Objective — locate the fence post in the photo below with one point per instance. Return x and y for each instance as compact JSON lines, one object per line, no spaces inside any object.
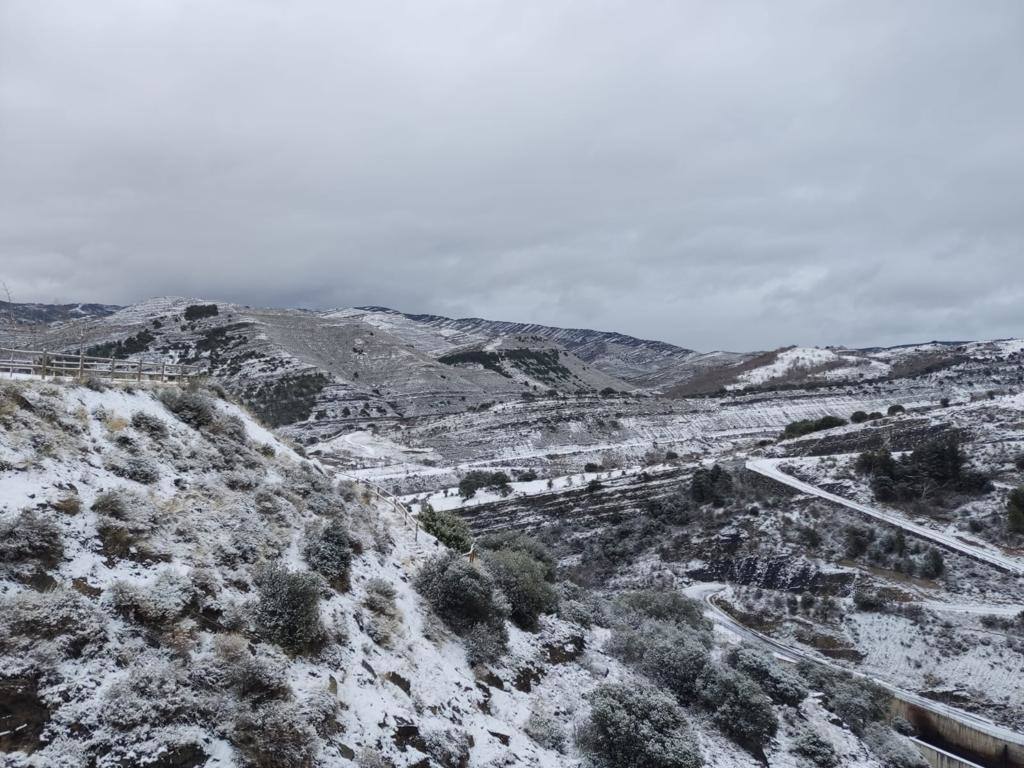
{"x":112,"y":368}
{"x":138,"y":377}
{"x":81,"y":365}
{"x":163,"y":371}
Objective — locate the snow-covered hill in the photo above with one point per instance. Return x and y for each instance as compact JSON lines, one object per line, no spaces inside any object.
{"x":158,"y":608}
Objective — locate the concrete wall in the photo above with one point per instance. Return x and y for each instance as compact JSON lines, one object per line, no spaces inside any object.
{"x":983,"y":749}
{"x":938,"y":758}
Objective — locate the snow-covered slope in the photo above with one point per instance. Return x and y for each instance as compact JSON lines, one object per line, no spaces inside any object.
{"x":138,"y":531}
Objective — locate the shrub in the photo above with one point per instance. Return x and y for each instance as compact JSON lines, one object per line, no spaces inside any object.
{"x":932,"y":565}
{"x":545,"y":729}
{"x":523,"y":580}
{"x":463,"y":595}
{"x":664,"y":605}
{"x":68,"y":505}
{"x":517,"y":541}
{"x":676,"y":661}
{"x":448,"y":747}
{"x":276,"y":736}
{"x":447,"y":527}
{"x":815,"y":748}
{"x":857,"y":702}
{"x":741,"y":709}
{"x":485,"y":643}
{"x":152,"y":425}
{"x":329,"y":552}
{"x":193,"y":408}
{"x":895,"y":410}
{"x":61,"y":617}
{"x":477,"y":479}
{"x":807,"y":426}
{"x":781,"y":685}
{"x":198,"y":311}
{"x":1019,"y":462}
{"x":156,"y":604}
{"x":710,"y":486}
{"x":139,"y":470}
{"x":1015,"y":510}
{"x":893,"y":750}
{"x":30,"y":536}
{"x":257,"y":673}
{"x":858,"y":417}
{"x":634,"y":725}
{"x":288,"y":609}
{"x":385,"y":618}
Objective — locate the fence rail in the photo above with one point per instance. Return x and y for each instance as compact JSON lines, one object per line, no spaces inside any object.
{"x":61,"y":365}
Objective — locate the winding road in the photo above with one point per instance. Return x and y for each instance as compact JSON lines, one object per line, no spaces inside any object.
{"x":706,"y":593}
{"x":770,"y":468}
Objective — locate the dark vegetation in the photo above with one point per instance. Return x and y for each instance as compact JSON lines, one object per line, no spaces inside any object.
{"x":123,"y":348}
{"x":288,"y":609}
{"x":447,"y":527}
{"x":807,"y":426}
{"x":468,"y":600}
{"x":288,"y":399}
{"x":477,"y":479}
{"x":935,"y":468}
{"x":199,"y":311}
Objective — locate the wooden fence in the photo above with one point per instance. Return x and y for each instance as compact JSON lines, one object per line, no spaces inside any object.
{"x":60,"y":365}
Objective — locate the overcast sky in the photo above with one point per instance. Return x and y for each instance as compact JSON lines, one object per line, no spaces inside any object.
{"x":736,"y":175}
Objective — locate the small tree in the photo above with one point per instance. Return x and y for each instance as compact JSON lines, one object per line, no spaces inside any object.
{"x":450,"y":529}
{"x":329,"y":553}
{"x":288,"y":609}
{"x":634,"y":725}
{"x":523,"y":581}
{"x":462,"y":594}
{"x":1015,"y":510}
{"x":741,"y":709}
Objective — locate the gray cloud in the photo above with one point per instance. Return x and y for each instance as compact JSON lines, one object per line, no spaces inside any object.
{"x":720,"y":175}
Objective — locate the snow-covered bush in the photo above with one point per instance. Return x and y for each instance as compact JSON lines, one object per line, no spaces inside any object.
{"x":229,"y":426}
{"x":815,"y":748}
{"x":68,"y":622}
{"x":546,"y":729}
{"x":152,"y":425}
{"x":634,"y":725}
{"x":139,"y":470}
{"x":522,"y":579}
{"x":195,"y":409}
{"x":461,"y":593}
{"x":288,"y":609}
{"x":447,"y":527}
{"x":782,"y":685}
{"x":385,"y":617}
{"x":448,"y":747}
{"x":276,"y":736}
{"x":517,"y":541}
{"x":241,"y":481}
{"x":156,"y":604}
{"x":328,"y":551}
{"x":154,"y":691}
{"x":485,"y":643}
{"x":28,"y":536}
{"x":577,"y":605}
{"x":324,"y":504}
{"x":303,"y":481}
{"x":124,"y":520}
{"x":248,"y":671}
{"x":677,"y":662}
{"x":893,"y":750}
{"x":664,"y":605}
{"x":741,"y":709}
{"x":857,"y":702}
